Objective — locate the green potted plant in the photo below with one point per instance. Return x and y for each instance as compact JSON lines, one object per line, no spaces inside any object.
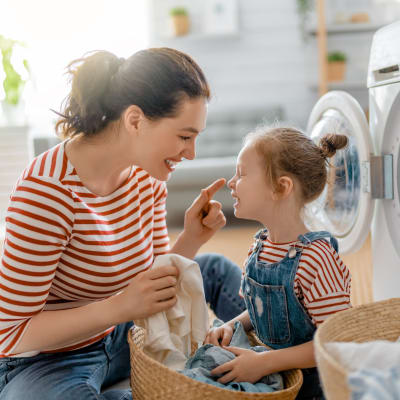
{"x":304,"y":8}
{"x":336,"y":66}
{"x":13,"y":83}
{"x":179,"y":21}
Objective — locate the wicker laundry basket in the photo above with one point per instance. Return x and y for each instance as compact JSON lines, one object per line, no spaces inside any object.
{"x":151,"y":380}
{"x":374,"y":321}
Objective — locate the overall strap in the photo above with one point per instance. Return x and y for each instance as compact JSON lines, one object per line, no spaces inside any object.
{"x":310,"y":237}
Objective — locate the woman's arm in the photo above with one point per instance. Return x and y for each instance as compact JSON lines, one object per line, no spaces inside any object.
{"x":148,"y":293}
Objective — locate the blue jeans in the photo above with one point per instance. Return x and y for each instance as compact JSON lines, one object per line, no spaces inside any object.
{"x":221,"y":280}
{"x":84,"y":374}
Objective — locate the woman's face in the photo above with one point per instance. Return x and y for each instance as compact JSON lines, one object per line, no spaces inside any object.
{"x":167,"y":141}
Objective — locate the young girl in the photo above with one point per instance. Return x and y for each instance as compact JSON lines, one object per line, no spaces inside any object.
{"x":294,"y":278}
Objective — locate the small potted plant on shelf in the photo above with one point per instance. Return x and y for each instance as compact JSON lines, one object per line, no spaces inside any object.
{"x":336,"y":66}
{"x":179,"y":21}
{"x":14,"y":82}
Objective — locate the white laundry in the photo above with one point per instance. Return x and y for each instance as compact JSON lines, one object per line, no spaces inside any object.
{"x":378,"y":354}
{"x":169,"y":334}
{"x":374,"y":368}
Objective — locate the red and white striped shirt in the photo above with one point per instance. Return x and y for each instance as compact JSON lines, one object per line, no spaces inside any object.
{"x":322,"y":282}
{"x":66,"y":247}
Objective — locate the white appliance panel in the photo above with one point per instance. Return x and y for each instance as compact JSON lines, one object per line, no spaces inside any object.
{"x":385,"y":131}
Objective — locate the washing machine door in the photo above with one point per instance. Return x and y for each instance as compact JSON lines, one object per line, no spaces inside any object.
{"x":345,"y":207}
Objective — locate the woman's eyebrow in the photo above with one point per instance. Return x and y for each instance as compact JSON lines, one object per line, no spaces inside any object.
{"x":190,"y":129}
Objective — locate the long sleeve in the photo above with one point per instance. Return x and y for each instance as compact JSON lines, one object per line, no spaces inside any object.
{"x":39,"y":220}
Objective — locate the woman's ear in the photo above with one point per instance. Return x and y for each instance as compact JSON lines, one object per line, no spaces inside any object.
{"x":285,"y":187}
{"x":132,"y":117}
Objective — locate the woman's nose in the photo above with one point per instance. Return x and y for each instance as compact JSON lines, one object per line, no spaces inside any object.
{"x":190,"y":151}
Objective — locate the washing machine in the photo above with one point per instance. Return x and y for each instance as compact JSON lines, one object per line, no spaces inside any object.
{"x":363,"y":189}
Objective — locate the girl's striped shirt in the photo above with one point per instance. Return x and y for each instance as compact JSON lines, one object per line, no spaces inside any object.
{"x":322,"y":282}
{"x":66,"y":247}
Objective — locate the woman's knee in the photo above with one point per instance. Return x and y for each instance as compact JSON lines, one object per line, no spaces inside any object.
{"x":214,"y":266}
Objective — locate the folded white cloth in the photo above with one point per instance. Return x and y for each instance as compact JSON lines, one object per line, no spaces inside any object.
{"x":169,"y":334}
{"x":374,"y":368}
{"x":380,"y":354}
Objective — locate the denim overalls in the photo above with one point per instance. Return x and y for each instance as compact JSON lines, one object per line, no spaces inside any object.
{"x":277,"y":315}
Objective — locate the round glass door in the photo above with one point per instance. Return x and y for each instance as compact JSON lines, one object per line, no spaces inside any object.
{"x":345,"y":207}
{"x":337,"y":207}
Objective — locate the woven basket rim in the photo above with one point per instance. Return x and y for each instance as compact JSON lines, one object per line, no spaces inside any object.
{"x":320,"y":344}
{"x":295,"y":387}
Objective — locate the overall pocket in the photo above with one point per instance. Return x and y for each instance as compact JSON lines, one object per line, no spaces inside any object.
{"x":269,"y":312}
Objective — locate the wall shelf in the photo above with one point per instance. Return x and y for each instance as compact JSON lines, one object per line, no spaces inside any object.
{"x":342,"y":85}
{"x":347,"y":28}
{"x":201,"y":37}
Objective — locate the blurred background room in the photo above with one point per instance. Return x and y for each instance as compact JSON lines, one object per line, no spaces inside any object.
{"x":266,"y":61}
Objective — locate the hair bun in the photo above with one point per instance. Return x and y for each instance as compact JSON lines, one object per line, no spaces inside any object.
{"x":332,"y":142}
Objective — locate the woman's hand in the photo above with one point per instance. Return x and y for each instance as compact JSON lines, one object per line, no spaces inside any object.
{"x":220,"y":336}
{"x":204,"y":217}
{"x":148,"y":293}
{"x":248,"y":366}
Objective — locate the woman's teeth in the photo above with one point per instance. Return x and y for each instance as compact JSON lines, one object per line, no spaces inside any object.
{"x":171,"y":164}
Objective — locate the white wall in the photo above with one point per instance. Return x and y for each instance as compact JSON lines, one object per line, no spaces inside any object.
{"x":268,"y":61}
{"x":265,"y":64}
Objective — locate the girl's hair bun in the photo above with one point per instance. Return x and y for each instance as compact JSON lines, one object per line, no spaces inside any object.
{"x":332,"y":142}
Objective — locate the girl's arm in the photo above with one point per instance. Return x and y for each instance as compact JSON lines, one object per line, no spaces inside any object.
{"x":300,"y":356}
{"x":244,"y":318}
{"x":249,"y":366}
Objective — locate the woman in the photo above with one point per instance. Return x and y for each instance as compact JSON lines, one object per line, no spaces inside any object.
{"x":87,"y":218}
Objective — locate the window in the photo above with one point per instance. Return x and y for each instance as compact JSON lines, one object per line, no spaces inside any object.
{"x":56,"y":32}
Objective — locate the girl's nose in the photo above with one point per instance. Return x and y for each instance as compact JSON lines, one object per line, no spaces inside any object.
{"x":230,"y":183}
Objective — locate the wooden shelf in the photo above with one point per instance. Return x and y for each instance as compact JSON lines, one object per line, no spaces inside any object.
{"x":342,"y":85}
{"x":347,"y":28}
{"x":201,"y":36}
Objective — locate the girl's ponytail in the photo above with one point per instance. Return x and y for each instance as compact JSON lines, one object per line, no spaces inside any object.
{"x":332,"y":142}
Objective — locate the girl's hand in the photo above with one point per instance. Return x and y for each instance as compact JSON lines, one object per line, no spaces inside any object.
{"x":204,"y":217}
{"x":248,"y":366}
{"x":220,"y":336}
{"x":148,"y":293}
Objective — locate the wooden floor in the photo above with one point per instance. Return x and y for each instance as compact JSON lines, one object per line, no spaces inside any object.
{"x":235,"y":242}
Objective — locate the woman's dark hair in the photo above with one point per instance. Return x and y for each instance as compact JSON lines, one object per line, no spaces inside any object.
{"x":103,"y":86}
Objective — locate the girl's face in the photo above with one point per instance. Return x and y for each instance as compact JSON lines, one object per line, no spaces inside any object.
{"x":254,"y":198}
{"x":165,"y":142}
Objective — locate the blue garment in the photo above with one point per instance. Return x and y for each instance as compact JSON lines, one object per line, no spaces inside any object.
{"x":81,"y":374}
{"x":221,"y":279}
{"x":277,"y":315}
{"x":72,"y":375}
{"x":208,"y":357}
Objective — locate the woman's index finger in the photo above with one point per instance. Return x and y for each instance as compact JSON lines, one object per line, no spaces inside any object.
{"x":214,"y":187}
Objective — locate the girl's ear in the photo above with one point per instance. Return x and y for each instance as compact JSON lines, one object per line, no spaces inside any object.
{"x":285,"y":187}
